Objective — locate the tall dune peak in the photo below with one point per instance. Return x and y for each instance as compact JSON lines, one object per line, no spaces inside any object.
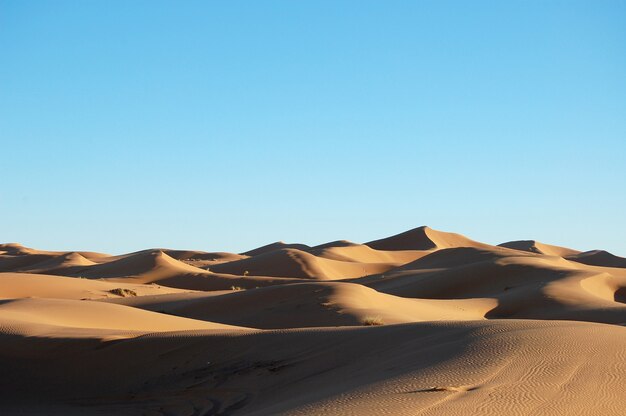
{"x":422,"y":238}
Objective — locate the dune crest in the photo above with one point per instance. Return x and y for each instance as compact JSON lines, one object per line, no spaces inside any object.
{"x":533,"y":246}
{"x":422,"y":238}
{"x":599,"y":258}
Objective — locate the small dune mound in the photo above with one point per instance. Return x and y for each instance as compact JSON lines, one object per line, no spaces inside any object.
{"x":599,"y":258}
{"x":279,"y":245}
{"x":338,"y":243}
{"x":533,"y":246}
{"x":62,"y":261}
{"x":76,"y":259}
{"x":423,"y":238}
{"x":15,"y":249}
{"x":154,"y":263}
{"x":95,"y":257}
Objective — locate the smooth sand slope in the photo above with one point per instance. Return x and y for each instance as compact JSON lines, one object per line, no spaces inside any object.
{"x":311,"y":305}
{"x":24,"y":285}
{"x":492,"y":368}
{"x":421,"y":323}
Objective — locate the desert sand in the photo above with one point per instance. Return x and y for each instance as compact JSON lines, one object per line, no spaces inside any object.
{"x":420,"y":323}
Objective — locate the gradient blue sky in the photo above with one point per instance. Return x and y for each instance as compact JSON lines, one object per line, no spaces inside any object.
{"x":227,"y":125}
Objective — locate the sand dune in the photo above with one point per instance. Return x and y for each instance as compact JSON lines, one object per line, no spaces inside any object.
{"x":421,"y":323}
{"x":361,"y":253}
{"x":17,"y":258}
{"x":202,"y":259}
{"x":593,"y":257}
{"x":273,"y":247}
{"x":156,"y":263}
{"x":20,"y":316}
{"x":290,"y":262}
{"x":422,"y":238}
{"x":599,"y":258}
{"x":63,"y":263}
{"x":15,"y":249}
{"x":311,"y":305}
{"x":525,"y":286}
{"x":540,"y":248}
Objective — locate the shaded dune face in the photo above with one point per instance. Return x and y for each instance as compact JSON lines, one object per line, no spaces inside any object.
{"x":422,"y":322}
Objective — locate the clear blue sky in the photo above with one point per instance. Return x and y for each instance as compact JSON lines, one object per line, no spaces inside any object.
{"x":226,"y":125}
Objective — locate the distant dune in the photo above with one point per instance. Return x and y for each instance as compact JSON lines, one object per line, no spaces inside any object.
{"x":420,"y":323}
